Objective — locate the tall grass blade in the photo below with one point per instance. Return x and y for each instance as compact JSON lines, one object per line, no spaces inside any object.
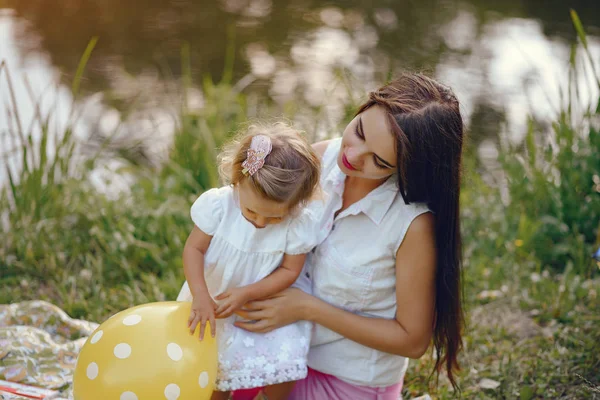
{"x":583,"y":38}
{"x":13,"y":186}
{"x":13,"y":100}
{"x":229,"y":56}
{"x":186,"y":74}
{"x":82,"y":64}
{"x":579,"y":28}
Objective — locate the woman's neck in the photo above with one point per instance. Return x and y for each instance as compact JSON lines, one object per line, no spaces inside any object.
{"x":362,"y":185}
{"x":355,"y":189}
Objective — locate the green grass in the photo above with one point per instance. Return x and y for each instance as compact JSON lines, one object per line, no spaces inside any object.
{"x":533,"y":331}
{"x":531,"y":285}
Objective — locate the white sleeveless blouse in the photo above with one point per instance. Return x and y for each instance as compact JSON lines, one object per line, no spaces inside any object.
{"x":354,"y":268}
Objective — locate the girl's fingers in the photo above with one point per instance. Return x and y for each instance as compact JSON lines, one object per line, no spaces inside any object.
{"x":223,"y":311}
{"x":222,"y":296}
{"x":202,"y":327}
{"x":255,"y":305}
{"x":222,"y":307}
{"x":213,"y":327}
{"x":229,"y":311}
{"x":193,"y":325}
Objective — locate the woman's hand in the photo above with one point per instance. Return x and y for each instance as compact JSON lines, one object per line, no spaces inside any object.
{"x":279,"y":310}
{"x":203,"y":310}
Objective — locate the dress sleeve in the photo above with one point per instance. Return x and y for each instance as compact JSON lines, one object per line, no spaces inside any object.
{"x":207,"y":210}
{"x":302,"y":235}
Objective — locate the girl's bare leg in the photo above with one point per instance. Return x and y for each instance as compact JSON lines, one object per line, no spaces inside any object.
{"x":279,"y":391}
{"x":220,"y":395}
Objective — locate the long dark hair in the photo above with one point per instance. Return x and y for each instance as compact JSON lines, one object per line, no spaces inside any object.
{"x":425,"y":118}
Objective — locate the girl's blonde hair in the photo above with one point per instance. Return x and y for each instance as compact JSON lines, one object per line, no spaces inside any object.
{"x":291,"y":171}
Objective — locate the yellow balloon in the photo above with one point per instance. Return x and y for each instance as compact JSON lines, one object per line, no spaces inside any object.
{"x":147,"y":353}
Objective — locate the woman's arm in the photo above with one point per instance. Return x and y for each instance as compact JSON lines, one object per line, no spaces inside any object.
{"x":409,"y":334}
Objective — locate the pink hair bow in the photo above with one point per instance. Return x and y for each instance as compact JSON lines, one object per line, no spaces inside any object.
{"x":259,"y":150}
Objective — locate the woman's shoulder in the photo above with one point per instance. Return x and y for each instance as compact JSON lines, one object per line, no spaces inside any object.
{"x":327,"y":151}
{"x":410,"y":211}
{"x":325,"y":147}
{"x":321,"y":147}
{"x":414,"y":217}
{"x":423,"y":223}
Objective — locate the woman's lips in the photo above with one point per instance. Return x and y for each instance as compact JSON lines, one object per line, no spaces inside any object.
{"x":347,"y":163}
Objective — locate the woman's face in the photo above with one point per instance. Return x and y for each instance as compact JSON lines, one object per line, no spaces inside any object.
{"x":368,"y":146}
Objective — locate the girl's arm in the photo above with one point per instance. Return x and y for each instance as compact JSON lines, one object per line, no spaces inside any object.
{"x":409,"y":334}
{"x":203,"y":306}
{"x":282,"y":278}
{"x":195,"y":247}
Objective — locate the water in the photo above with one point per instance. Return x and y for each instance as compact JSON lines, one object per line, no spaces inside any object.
{"x":505,"y":59}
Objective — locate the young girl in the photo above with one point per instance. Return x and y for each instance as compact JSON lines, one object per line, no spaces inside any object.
{"x":250,"y":242}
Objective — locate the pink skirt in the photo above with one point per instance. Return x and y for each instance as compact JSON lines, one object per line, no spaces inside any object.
{"x":319,"y":386}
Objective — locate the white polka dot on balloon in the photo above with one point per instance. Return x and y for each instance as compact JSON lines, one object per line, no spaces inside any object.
{"x":203,"y":380}
{"x":92,"y":371}
{"x":172,"y":392}
{"x":128,"y":396}
{"x":97,"y":336}
{"x":122,"y":350}
{"x":132,"y":320}
{"x":174,"y":351}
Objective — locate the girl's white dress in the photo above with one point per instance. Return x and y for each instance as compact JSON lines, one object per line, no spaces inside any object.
{"x":240,"y":254}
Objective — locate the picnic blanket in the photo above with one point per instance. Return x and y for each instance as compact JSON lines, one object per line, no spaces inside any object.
{"x":39,"y":344}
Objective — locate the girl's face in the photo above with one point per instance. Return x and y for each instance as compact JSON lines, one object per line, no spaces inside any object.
{"x":368,"y":146}
{"x":258,"y":211}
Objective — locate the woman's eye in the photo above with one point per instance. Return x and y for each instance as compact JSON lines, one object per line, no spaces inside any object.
{"x":380,"y":166}
{"x":357,"y":132}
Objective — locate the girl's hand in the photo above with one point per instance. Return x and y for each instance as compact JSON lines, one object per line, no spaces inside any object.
{"x":203,"y":309}
{"x":289,"y":306}
{"x":231,"y":301}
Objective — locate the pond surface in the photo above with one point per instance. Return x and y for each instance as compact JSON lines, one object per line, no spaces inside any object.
{"x":505,"y":59}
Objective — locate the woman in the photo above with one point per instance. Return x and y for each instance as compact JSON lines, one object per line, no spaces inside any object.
{"x":386,"y":279}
